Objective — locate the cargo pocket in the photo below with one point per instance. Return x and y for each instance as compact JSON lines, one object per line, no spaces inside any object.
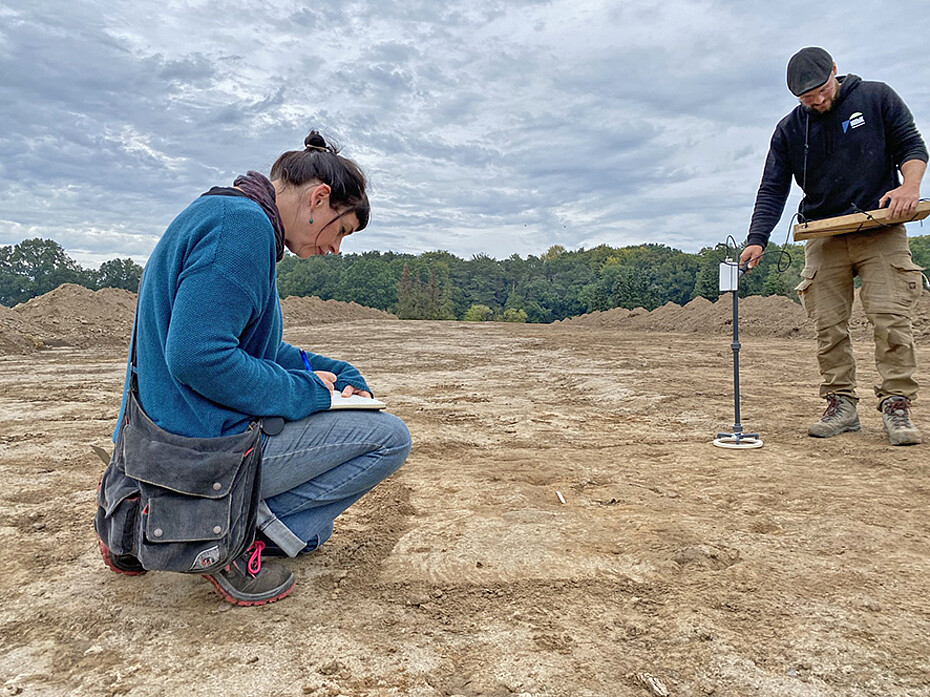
{"x":807,"y":277}
{"x":907,"y":284}
{"x":896,"y":290}
{"x":117,"y":509}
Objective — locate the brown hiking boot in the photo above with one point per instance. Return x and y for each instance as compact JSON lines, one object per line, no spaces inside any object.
{"x":840,"y":416}
{"x":246,"y":582}
{"x":896,"y":418}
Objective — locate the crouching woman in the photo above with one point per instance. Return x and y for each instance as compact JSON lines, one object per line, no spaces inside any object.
{"x":209,"y":362}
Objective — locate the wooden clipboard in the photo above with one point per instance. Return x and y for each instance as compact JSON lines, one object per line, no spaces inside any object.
{"x":854,"y":222}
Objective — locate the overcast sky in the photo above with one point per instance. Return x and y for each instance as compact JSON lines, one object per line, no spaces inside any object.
{"x":486,"y":127}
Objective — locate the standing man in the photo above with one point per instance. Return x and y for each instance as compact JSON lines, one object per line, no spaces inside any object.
{"x":844,"y":144}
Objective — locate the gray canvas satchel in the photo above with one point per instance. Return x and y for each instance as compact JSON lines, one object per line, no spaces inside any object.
{"x":177,"y":503}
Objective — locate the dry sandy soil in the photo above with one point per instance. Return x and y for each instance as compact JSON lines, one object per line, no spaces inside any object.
{"x":801,"y":568}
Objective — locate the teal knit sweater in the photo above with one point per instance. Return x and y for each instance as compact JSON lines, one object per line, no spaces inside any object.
{"x":208,"y":328}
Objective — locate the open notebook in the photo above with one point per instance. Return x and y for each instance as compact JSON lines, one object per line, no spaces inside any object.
{"x":355,"y":402}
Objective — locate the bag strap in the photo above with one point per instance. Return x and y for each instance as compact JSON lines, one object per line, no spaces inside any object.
{"x":133,"y":378}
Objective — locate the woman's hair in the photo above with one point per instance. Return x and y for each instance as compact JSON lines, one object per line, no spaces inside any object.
{"x":321,"y":161}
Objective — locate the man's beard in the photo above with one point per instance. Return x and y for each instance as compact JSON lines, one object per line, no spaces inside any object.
{"x":821,"y":112}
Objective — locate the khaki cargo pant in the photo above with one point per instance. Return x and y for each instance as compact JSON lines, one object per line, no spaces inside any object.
{"x":891,"y":284}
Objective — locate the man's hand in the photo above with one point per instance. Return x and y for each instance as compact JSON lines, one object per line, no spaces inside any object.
{"x":901,"y":202}
{"x":750,"y":256}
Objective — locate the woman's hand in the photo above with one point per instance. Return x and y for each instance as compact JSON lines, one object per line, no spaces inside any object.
{"x":348,"y":391}
{"x":329,"y":379}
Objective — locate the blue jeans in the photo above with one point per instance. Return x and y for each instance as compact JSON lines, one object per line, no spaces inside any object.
{"x":319,"y":466}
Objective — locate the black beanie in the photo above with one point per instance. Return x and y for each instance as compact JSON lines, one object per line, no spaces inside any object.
{"x":808,"y":69}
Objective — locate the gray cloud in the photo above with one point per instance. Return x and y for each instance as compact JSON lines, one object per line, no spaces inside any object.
{"x":486,"y":127}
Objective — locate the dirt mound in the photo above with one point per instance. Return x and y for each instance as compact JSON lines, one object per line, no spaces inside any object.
{"x":72,"y":315}
{"x":758,"y":316}
{"x":774,"y":315}
{"x":17,"y":336}
{"x":304,"y":311}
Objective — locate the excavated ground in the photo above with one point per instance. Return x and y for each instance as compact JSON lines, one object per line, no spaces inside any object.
{"x":799,"y":569}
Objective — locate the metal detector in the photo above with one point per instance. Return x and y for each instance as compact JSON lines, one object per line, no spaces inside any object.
{"x":730,"y":272}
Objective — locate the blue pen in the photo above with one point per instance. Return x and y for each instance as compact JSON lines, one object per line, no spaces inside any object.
{"x":303,"y":356}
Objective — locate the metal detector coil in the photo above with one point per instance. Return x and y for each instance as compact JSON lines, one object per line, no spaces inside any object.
{"x":730,"y":272}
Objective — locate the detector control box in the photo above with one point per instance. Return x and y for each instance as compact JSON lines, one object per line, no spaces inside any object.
{"x":729,"y":276}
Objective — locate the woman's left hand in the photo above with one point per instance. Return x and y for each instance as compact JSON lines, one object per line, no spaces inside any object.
{"x":348,"y":391}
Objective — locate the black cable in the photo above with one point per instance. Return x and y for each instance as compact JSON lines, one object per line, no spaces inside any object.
{"x":726,"y":248}
{"x":869,"y":216}
{"x":784,"y":256}
{"x":784,"y":259}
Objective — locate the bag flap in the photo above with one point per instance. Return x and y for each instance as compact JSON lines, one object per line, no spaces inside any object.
{"x":181,"y":519}
{"x":186,"y":470}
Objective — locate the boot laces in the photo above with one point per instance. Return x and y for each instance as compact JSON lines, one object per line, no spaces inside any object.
{"x":833,"y":407}
{"x":254,"y":565}
{"x":896,"y":410}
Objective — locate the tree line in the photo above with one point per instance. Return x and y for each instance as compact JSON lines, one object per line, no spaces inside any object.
{"x":34,"y":267}
{"x":438,"y":285}
{"x":557,"y":284}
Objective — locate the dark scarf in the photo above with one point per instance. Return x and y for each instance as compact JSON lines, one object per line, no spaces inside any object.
{"x":259,"y":188}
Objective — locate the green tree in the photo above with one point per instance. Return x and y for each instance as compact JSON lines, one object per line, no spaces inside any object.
{"x":406,"y":298}
{"x":34,"y":267}
{"x":478,"y":313}
{"x":484,"y":282}
{"x":318,"y":275}
{"x":920,"y":250}
{"x":433,"y":300}
{"x":12,"y":284}
{"x":707,"y":278}
{"x":367,"y":281}
{"x":512,"y":315}
{"x":647,"y":275}
{"x":119,"y":273}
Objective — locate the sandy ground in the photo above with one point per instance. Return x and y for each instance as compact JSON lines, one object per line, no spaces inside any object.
{"x":802,"y":568}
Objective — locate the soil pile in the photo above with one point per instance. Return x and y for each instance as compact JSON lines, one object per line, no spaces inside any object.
{"x":772,"y":316}
{"x":17,"y":336}
{"x":775,"y":316}
{"x":72,"y":315}
{"x":306,"y":311}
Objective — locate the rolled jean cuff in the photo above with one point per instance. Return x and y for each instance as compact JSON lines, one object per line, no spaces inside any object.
{"x":278,"y":532}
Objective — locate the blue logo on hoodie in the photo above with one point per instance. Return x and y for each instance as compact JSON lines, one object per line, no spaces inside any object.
{"x":854,"y":121}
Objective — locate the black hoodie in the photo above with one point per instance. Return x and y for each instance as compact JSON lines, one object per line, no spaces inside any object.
{"x":853,"y":159}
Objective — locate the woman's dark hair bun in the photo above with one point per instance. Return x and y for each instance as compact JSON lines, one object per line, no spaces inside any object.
{"x":320,"y":162}
{"x":315,"y":141}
